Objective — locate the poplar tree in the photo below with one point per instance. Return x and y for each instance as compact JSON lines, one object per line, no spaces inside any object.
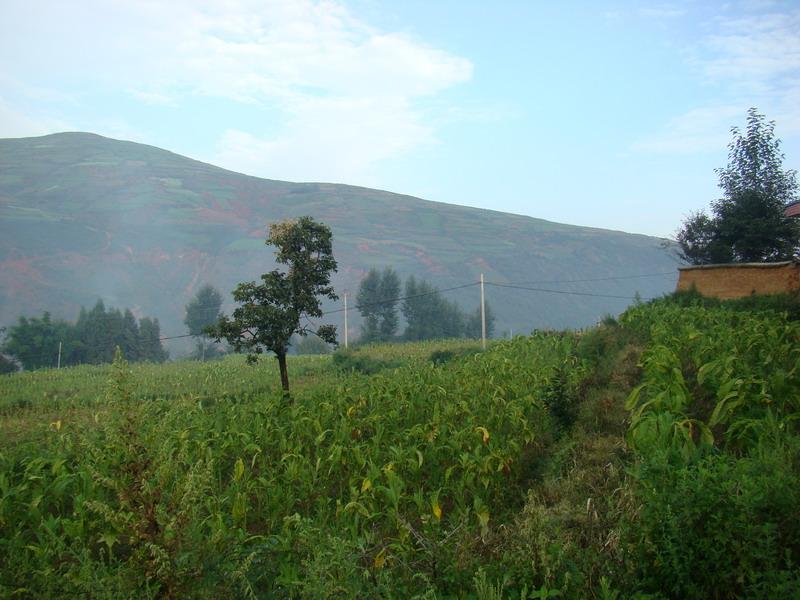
{"x":748,"y":222}
{"x":377,"y":300}
{"x":203,"y":311}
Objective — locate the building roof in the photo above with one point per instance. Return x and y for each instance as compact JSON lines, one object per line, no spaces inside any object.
{"x":792,"y":210}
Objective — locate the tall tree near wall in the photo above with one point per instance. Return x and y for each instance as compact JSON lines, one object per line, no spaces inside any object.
{"x":747,"y":223}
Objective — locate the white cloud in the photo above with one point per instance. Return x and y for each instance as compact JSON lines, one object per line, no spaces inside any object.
{"x":664,"y":11}
{"x":311,"y":66}
{"x":749,"y":60}
{"x":334,"y":140}
{"x":155,"y":98}
{"x":755,"y":50}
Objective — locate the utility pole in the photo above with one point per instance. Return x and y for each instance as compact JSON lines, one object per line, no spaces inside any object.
{"x":483,"y":318}
{"x":345,"y":320}
{"x":59,"y":356}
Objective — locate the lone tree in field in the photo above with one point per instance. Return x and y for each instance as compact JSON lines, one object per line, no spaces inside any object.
{"x":748,"y":223}
{"x":272,"y":311}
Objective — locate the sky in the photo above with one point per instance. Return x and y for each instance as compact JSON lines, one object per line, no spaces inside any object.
{"x":603,"y":114}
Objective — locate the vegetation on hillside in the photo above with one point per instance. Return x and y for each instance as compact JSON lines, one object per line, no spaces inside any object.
{"x":656,"y":456}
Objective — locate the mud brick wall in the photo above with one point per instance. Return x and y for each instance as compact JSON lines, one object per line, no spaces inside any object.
{"x":735,"y":281}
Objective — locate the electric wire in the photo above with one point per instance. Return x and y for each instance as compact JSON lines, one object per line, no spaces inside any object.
{"x":509,"y":285}
{"x":519,"y":287}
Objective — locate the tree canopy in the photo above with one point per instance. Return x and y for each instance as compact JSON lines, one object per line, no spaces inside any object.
{"x":92,"y":339}
{"x":428,"y":315}
{"x":280,"y":306}
{"x":748,"y":222}
{"x":377,"y":302}
{"x":203,"y":311}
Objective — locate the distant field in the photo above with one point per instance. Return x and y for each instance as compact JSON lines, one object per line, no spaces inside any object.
{"x":656,"y":457}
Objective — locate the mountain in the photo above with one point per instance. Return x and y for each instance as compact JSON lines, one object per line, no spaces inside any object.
{"x":84,"y":217}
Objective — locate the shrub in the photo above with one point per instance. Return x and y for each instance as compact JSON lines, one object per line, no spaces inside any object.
{"x":361,"y":363}
{"x":720,"y":528}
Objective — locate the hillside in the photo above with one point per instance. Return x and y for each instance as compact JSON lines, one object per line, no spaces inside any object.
{"x":84,"y":217}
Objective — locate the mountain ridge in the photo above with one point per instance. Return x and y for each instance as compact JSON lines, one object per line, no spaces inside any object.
{"x":85,"y":216}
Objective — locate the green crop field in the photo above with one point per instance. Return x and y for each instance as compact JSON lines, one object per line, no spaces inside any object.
{"x":653,"y":457}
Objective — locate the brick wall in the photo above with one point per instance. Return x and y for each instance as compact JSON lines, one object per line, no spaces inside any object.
{"x":735,"y":281}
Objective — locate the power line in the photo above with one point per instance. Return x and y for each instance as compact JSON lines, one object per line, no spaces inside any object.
{"x":593,"y":279}
{"x":519,"y":287}
{"x":511,"y":285}
{"x":175,"y":337}
{"x":466,"y":285}
{"x":391,"y":300}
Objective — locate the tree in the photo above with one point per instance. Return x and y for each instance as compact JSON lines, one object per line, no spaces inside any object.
{"x":419,"y":298}
{"x":272,"y":311}
{"x":150,"y":348}
{"x":130,"y":336}
{"x":389,"y":292}
{"x":97,"y":347}
{"x":367,"y":301}
{"x":34,"y":341}
{"x":748,"y":224}
{"x":7,"y":365}
{"x":377,"y":302}
{"x":473,"y":325}
{"x":203,"y":311}
{"x":310,"y":344}
{"x":428,"y":315}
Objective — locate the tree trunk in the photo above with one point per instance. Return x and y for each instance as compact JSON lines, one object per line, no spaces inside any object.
{"x":284,"y":371}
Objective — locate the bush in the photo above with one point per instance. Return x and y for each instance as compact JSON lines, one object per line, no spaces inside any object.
{"x":781,"y":303}
{"x":7,"y":365}
{"x":440,"y":357}
{"x":721,"y":528}
{"x":349,"y":361}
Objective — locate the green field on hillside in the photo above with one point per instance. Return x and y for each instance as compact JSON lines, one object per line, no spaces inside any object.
{"x":652,"y":457}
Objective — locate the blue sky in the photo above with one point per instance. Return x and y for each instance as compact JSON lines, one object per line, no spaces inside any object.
{"x":606,"y":114}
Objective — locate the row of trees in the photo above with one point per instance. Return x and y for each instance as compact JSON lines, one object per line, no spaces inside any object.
{"x":427,"y":314}
{"x":34,"y":342}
